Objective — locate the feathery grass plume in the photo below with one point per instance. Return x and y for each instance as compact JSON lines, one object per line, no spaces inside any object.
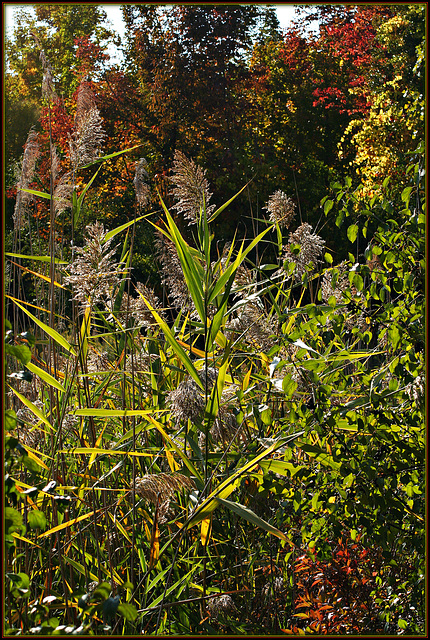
{"x":310,"y":247}
{"x":244,"y":283}
{"x":335,"y":284}
{"x":273,"y":590}
{"x":139,"y":310}
{"x":88,"y":137}
{"x":141,"y":187}
{"x":48,"y":91}
{"x":281,"y":209}
{"x":221,"y":605}
{"x":97,"y":361}
{"x":191,"y":188}
{"x":140,"y":361}
{"x":162,"y":486}
{"x":94,"y":273}
{"x":172,"y":275}
{"x":186,"y":402}
{"x":31,"y":153}
{"x":225,"y":426}
{"x":253,"y":326}
{"x":416,"y":390}
{"x":62,"y":185}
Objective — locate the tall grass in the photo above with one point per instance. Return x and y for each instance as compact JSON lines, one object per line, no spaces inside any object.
{"x":168,"y":465}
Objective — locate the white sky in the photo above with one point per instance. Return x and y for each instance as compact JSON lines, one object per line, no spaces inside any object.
{"x":285,"y":13}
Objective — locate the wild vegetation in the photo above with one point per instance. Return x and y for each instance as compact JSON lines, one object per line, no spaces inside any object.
{"x":214,"y":324}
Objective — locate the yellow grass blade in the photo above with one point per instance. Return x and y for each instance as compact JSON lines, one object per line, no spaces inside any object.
{"x":69,"y":523}
{"x":206,"y":530}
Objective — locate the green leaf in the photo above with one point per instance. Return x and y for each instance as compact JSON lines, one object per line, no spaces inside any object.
{"x":406,"y":194}
{"x":10,"y":420}
{"x":114,"y":232}
{"x":37,"y":519}
{"x":229,"y":485}
{"x":102,"y":591}
{"x":12,"y":519}
{"x":226,"y":204}
{"x":127,"y":611}
{"x":328,"y":206}
{"x":41,"y":194}
{"x":191,"y":263}
{"x":228,"y":275}
{"x":250,"y":516}
{"x":110,"y":156}
{"x":281,"y":467}
{"x":30,"y":463}
{"x":58,"y":338}
{"x":37,"y":412}
{"x":19,"y":351}
{"x":183,"y":357}
{"x":46,"y":377}
{"x":78,"y":202}
{"x":40,"y":258}
{"x":352,"y":232}
{"x":192,"y":469}
{"x":320,"y":455}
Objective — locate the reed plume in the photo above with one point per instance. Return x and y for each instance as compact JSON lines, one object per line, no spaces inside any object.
{"x":191,"y":188}
{"x":88,"y":137}
{"x":94,"y":273}
{"x":31,"y":153}
{"x":141,"y":187}
{"x":304,"y":249}
{"x":281,"y":209}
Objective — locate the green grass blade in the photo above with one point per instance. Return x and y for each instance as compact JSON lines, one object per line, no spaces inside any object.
{"x":191,"y":468}
{"x":111,"y":413}
{"x":41,"y":258}
{"x":79,"y":201}
{"x":114,"y":232}
{"x":226,"y":204}
{"x":46,"y":377}
{"x":250,"y":516}
{"x":37,"y":412}
{"x":226,"y":487}
{"x":110,"y":156}
{"x":41,"y":194}
{"x":191,"y":263}
{"x":59,"y":339}
{"x":178,"y":350}
{"x":226,"y":280}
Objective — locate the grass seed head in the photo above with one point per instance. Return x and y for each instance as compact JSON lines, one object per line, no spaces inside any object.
{"x":191,"y":188}
{"x":281,"y":209}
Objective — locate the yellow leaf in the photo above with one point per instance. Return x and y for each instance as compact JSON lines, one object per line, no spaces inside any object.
{"x":246,"y":379}
{"x":155,"y":543}
{"x":18,"y":537}
{"x":206,"y":529}
{"x":69,"y":523}
{"x":39,"y":275}
{"x":171,"y":460}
